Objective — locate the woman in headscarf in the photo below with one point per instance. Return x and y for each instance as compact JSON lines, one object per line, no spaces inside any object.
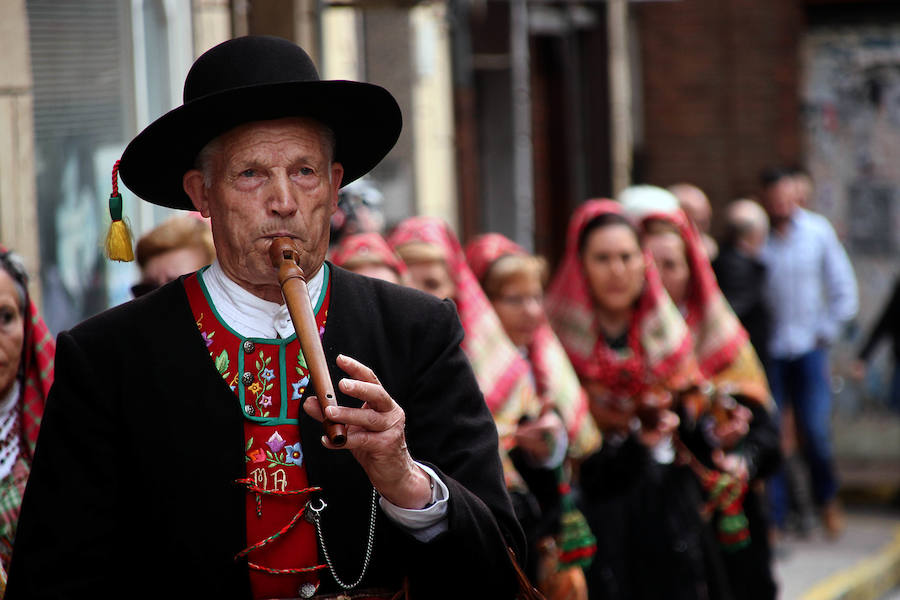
{"x":26,"y":373}
{"x":632,"y":350}
{"x":513,"y":281}
{"x":368,"y":254}
{"x":740,"y":437}
{"x":436,"y":265}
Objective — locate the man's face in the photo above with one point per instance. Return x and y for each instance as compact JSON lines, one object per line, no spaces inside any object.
{"x":780,"y":199}
{"x":696,"y":206}
{"x":163,"y":268}
{"x":269,"y":179}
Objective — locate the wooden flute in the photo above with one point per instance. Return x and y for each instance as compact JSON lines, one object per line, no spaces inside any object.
{"x":285,"y":257}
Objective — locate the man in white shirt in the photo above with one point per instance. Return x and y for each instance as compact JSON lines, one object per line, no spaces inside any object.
{"x":811,"y":291}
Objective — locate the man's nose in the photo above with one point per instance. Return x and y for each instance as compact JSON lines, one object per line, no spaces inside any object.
{"x":281,"y":195}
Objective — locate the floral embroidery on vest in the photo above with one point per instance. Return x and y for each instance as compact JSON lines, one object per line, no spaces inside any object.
{"x":268,"y":378}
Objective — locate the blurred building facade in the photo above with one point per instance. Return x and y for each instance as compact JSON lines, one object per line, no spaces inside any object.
{"x":507,"y":104}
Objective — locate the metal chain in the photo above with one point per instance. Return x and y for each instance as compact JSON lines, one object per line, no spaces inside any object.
{"x":370,"y":544}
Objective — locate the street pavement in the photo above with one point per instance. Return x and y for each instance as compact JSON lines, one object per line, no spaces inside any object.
{"x":863,"y":564}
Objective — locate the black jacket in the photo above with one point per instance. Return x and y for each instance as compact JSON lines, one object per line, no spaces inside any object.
{"x":132,"y":489}
{"x":888,"y":324}
{"x":741,"y":279}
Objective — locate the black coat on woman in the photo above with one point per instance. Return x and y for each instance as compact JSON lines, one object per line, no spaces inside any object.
{"x":132,"y":492}
{"x":652,"y":543}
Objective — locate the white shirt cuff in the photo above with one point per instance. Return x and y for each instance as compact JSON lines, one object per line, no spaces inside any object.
{"x":427,"y":523}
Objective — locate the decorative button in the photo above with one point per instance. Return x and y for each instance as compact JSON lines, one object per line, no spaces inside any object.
{"x":249,"y":346}
{"x":249,"y":409}
{"x":307,"y":590}
{"x":247,"y":378}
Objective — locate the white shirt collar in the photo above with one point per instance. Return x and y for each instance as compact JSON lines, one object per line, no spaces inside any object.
{"x":249,"y":315}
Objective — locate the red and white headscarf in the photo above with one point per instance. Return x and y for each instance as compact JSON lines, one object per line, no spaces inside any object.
{"x":502,"y":373}
{"x":659,"y":352}
{"x":721,"y":344}
{"x":555,"y":378}
{"x":499,"y":367}
{"x":35,"y":371}
{"x":369,"y":246}
{"x":37,"y":357}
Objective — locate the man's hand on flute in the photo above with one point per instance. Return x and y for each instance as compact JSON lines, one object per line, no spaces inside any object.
{"x":376,"y":436}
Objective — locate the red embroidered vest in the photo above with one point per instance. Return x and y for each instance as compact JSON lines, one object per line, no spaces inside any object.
{"x":268,"y":377}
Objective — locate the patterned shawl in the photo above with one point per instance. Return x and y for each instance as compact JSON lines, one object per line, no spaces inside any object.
{"x":35,"y":371}
{"x":35,"y":377}
{"x":502,"y":372}
{"x":659,"y":353}
{"x":556,"y":380}
{"x":721,"y":344}
{"x":367,"y":246}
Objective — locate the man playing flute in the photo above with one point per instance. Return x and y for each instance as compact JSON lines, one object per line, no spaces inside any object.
{"x":181,"y":453}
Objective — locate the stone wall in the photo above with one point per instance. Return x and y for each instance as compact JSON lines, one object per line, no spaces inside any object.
{"x":18,"y":203}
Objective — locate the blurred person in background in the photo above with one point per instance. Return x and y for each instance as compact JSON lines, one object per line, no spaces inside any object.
{"x":180,"y":245}
{"x":514,"y":283}
{"x":886,"y":326}
{"x":368,"y":254}
{"x":632,"y":351}
{"x":637,"y":200}
{"x":741,"y":273}
{"x":742,"y":277}
{"x":436,"y":265}
{"x":740,"y":436}
{"x":360,"y":209}
{"x":805,"y":187}
{"x":695,"y":204}
{"x":811,"y":289}
{"x":26,"y":373}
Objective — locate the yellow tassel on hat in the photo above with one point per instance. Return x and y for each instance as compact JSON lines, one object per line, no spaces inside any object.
{"x":118,"y":238}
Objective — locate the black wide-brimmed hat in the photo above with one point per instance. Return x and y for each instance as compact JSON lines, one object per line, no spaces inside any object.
{"x":257,"y":78}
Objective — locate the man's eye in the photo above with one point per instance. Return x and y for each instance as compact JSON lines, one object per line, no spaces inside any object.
{"x":248,"y":173}
{"x":305,"y":171}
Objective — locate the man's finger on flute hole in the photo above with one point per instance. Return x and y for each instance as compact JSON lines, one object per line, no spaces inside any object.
{"x":313,"y":409}
{"x":367,"y":419}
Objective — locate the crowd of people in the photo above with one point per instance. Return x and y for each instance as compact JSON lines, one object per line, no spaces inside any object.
{"x":659,"y":410}
{"x":611,"y":429}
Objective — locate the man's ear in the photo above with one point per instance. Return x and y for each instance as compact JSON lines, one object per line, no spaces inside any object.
{"x":196,"y":191}
{"x":337,"y":176}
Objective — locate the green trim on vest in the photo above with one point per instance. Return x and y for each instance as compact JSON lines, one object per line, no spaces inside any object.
{"x":282,"y":344}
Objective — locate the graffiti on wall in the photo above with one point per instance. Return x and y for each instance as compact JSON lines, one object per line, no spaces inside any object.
{"x":851,"y":99}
